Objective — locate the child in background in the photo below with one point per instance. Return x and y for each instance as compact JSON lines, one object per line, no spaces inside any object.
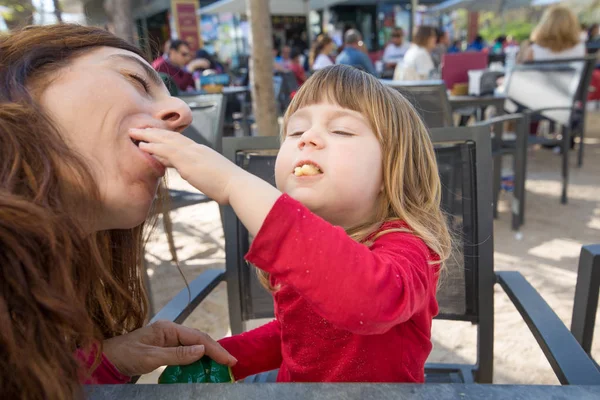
{"x":352,"y":240}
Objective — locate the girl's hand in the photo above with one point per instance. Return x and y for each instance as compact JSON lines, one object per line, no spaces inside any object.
{"x":162,"y":343}
{"x":212,"y":174}
{"x":204,"y":168}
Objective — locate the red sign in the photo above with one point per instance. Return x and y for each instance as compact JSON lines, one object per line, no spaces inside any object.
{"x":187,"y":22}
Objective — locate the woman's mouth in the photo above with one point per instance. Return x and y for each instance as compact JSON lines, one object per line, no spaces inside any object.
{"x":156,"y":165}
{"x":137,"y":142}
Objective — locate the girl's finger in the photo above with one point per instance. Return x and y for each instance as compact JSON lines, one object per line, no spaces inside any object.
{"x":156,"y":149}
{"x":164,"y":161}
{"x":148,"y":134}
{"x":155,"y":135}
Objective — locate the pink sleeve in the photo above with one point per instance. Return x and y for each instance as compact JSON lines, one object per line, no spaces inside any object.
{"x":258,"y":350}
{"x":104,"y":374}
{"x":360,"y":289}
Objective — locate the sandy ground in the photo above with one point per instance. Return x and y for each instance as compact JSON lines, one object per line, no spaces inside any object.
{"x":546,"y":255}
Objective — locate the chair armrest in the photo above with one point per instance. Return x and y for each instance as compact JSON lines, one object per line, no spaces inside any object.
{"x":182,"y":305}
{"x":586,"y":296}
{"x":570,"y":363}
{"x":499,"y":119}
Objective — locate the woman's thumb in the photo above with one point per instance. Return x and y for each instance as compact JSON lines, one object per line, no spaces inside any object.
{"x":181,"y":355}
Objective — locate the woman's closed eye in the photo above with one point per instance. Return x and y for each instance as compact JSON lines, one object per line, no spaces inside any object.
{"x":140,"y":80}
{"x":297,"y":133}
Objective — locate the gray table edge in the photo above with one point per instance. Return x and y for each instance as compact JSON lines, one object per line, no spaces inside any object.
{"x":341,"y":391}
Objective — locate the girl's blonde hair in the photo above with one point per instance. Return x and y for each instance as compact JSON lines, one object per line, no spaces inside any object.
{"x":557,"y":30}
{"x":412,"y":188}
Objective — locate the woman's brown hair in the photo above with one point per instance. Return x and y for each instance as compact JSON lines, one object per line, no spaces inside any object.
{"x":61,"y":288}
{"x":422,"y":35}
{"x":557,"y":30}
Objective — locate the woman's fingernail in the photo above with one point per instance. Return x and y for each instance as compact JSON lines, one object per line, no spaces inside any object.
{"x":198,"y":348}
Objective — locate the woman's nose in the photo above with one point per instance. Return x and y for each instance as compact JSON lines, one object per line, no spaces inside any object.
{"x":176,"y":114}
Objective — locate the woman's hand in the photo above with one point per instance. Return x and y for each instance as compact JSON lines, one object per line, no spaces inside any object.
{"x":204,"y":168}
{"x":162,"y":343}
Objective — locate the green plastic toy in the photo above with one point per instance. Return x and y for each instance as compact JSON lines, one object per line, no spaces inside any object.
{"x":205,"y":370}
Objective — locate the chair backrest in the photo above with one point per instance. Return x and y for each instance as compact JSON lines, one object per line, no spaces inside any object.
{"x":430,"y":98}
{"x":466,"y":289}
{"x":546,"y":84}
{"x":208,"y":113}
{"x":586,"y":81}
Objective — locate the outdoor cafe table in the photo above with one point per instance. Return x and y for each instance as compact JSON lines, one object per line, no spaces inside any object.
{"x":343,"y":391}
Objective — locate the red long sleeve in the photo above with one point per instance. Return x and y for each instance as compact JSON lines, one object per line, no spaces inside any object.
{"x":346,"y":312}
{"x":356,"y":288}
{"x":258,"y":350}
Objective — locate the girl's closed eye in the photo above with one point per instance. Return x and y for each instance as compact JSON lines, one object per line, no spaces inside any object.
{"x":343,"y":133}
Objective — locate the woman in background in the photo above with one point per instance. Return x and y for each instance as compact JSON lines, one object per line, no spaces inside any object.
{"x":418,"y":64}
{"x":320,"y":53}
{"x":557,"y":36}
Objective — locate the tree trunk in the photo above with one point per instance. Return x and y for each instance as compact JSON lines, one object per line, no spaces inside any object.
{"x":120,"y":14}
{"x":58,"y":11}
{"x":261,"y":67}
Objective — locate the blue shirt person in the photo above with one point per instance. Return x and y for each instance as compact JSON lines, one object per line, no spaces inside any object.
{"x":353,"y":55}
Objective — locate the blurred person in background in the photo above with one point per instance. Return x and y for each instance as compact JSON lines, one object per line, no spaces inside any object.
{"x":418,"y":64}
{"x":320,"y":54}
{"x":354,"y":53}
{"x":557,"y":36}
{"x":443,"y":43}
{"x":395,"y":49}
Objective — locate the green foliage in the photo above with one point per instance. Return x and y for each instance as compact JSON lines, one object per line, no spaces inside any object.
{"x":520,"y":30}
{"x":19,"y":11}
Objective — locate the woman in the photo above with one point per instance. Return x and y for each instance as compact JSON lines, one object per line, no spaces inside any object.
{"x":320,"y":54}
{"x":75,"y":193}
{"x":418,"y":64}
{"x":557,"y":36}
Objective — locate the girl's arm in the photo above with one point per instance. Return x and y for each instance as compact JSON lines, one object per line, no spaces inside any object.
{"x":258,"y":350}
{"x":360,"y":289}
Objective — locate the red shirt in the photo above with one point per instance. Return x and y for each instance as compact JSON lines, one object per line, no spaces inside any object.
{"x":344,"y":312}
{"x":298,"y":73}
{"x":183,"y":79}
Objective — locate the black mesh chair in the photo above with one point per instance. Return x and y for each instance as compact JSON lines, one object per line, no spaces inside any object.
{"x":465,"y":165}
{"x":550,"y":90}
{"x":586,"y":297}
{"x":430,"y":99}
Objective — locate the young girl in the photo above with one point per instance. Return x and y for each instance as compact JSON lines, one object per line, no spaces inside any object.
{"x":353,"y":237}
